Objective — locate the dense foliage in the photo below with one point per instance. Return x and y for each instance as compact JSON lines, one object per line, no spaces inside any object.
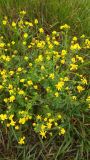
{"x":44,"y":87}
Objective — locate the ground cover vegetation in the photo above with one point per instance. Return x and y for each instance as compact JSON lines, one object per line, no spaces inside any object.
{"x":44,"y":85}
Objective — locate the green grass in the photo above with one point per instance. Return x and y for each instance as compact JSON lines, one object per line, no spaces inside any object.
{"x":52,"y":12}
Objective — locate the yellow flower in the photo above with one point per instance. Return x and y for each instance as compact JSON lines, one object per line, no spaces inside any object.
{"x":84,"y":80}
{"x":49,"y":125}
{"x":82,"y":36}
{"x":48,"y":114}
{"x":65,"y":26}
{"x":19,"y":69}
{"x":88,"y":99}
{"x":8,"y":44}
{"x":89,"y":106}
{"x":80,"y":58}
{"x":5,"y":100}
{"x":30,"y":82}
{"x":59,"y":85}
{"x":74,"y":97}
{"x":8,"y":58}
{"x":24,"y":43}
{"x":45,"y":119}
{"x":12,"y":123}
{"x":48,"y":89}
{"x":22,"y":80}
{"x":51,"y":76}
{"x":40,"y":44}
{"x":87,"y":43}
{"x":11,"y":117}
{"x":42,"y":68}
{"x":10,"y":86}
{"x":30,"y":64}
{"x":62,"y":131}
{"x":12,"y":98}
{"x":35,"y":87}
{"x":41,"y":30}
{"x":80,"y":88}
{"x":16,"y":127}
{"x":38,"y":117}
{"x":57,"y":94}
{"x":12,"y":42}
{"x":63,"y":53}
{"x":22,"y":120}
{"x":26,"y":58}
{"x":56,"y":43}
{"x":2,"y":45}
{"x":54,"y":33}
{"x":56,"y":124}
{"x":73,"y":67}
{"x":48,"y":57}
{"x":39,"y":59}
{"x":67,"y":88}
{"x":43,"y":127}
{"x":21,"y":92}
{"x":11,"y":73}
{"x":29,"y":46}
{"x":74,"y":38}
{"x":66,"y":79}
{"x":30,"y":24}
{"x":25,"y":35}
{"x":59,"y":116}
{"x":4,"y":22}
{"x":43,"y":133}
{"x":26,"y":22}
{"x":75,"y":47}
{"x":22,"y":112}
{"x":22,"y":140}
{"x":51,"y":120}
{"x":47,"y":38}
{"x":3,"y":117}
{"x":8,"y":125}
{"x":13,"y":24}
{"x":23,"y":12}
{"x":36,"y":21}
{"x":3,"y":72}
{"x":62,"y":61}
{"x":11,"y":91}
{"x":1,"y":86}
{"x":73,"y":60}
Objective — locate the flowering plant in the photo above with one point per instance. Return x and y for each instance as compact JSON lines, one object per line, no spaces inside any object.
{"x":41,"y":77}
